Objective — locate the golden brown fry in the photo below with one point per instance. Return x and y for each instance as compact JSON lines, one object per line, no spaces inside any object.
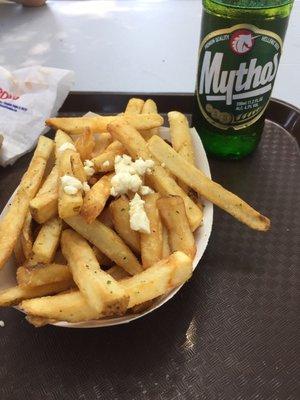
{"x":47,"y":241}
{"x":152,"y":244}
{"x":76,"y":125}
{"x":102,"y":258}
{"x":174,"y":217}
{"x":61,"y":138}
{"x":148,"y":108}
{"x":15,"y":294}
{"x":108,"y":242}
{"x":11,"y":224}
{"x":160,"y":178}
{"x":71,"y":307}
{"x":139,"y":308}
{"x":134,"y":106}
{"x":95,"y":199}
{"x":106,"y":161}
{"x":26,"y":236}
{"x":181,"y":139}
{"x":120,"y":216}
{"x":18,"y":252}
{"x":102,"y":141}
{"x":77,"y":167}
{"x":44,"y":205}
{"x":102,"y":292}
{"x":39,"y":322}
{"x":43,"y":274}
{"x":166,"y":247}
{"x":85,"y":144}
{"x":158,"y":279}
{"x":214,"y":192}
{"x":68,"y":205}
{"x":118,"y":273}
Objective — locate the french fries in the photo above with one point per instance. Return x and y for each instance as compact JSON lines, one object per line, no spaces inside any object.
{"x":47,"y":241}
{"x":108,"y":242}
{"x":152,"y":245}
{"x":212,"y":191}
{"x":16,"y":294}
{"x":77,"y":125}
{"x":95,"y":199}
{"x":77,"y":167}
{"x":134,"y":106}
{"x":151,"y":283}
{"x":43,"y":275}
{"x":102,"y":258}
{"x":68,"y":204}
{"x":85,"y":144}
{"x":18,"y":252}
{"x":120,"y":215}
{"x":102,"y":141}
{"x":148,"y":108}
{"x":118,"y":273}
{"x":158,"y":279}
{"x":173,"y":214}
{"x":163,"y":183}
{"x":106,"y":161}
{"x":181,"y":139}
{"x":101,"y":291}
{"x":26,"y":236}
{"x":12,"y":223}
{"x":44,"y":205}
{"x":166,"y":247}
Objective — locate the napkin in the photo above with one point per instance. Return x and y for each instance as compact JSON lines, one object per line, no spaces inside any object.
{"x":28,"y":96}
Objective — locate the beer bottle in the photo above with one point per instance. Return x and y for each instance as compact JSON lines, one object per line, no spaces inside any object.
{"x":240,"y":48}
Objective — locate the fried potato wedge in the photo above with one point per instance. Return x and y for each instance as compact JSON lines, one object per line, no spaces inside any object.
{"x":174,"y":217}
{"x":47,"y":241}
{"x":102,"y":292}
{"x":95,"y":199}
{"x":134,"y":106}
{"x":148,"y":108}
{"x":85,"y":144}
{"x":45,"y":204}
{"x":42,"y":274}
{"x":102,"y":141}
{"x":181,"y":139}
{"x":212,"y":191}
{"x":119,"y":209}
{"x":16,"y":294}
{"x":105,"y":162}
{"x":158,"y":279}
{"x":152,"y":244}
{"x":26,"y":236}
{"x":166,"y":247}
{"x":77,"y":125}
{"x":108,"y":242}
{"x":118,"y":273}
{"x":11,"y":224}
{"x":102,"y":259}
{"x":160,"y":179}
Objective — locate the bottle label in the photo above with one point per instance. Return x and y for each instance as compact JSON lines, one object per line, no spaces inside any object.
{"x":237,"y":69}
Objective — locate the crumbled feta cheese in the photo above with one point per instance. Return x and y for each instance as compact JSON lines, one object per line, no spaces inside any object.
{"x":144,"y":190}
{"x":105,"y":164}
{"x":2,"y":324}
{"x":89,"y":167}
{"x":70,"y":184}
{"x":129,"y":174}
{"x":66,"y":146}
{"x":138,"y":217}
{"x":86,"y":187}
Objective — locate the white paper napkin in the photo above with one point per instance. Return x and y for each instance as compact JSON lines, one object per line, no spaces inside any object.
{"x":28,"y":96}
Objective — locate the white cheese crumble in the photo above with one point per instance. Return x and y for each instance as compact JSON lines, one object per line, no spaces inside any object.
{"x":129,"y":174}
{"x":89,"y":167}
{"x":138,"y":217}
{"x":105,"y":164}
{"x":144,"y":190}
{"x":2,"y":324}
{"x":70,"y":184}
{"x":66,"y":146}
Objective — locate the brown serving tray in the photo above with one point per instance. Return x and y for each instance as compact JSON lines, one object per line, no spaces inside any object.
{"x":231,"y":333}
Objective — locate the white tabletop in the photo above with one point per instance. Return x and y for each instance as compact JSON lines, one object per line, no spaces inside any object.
{"x":125,"y":46}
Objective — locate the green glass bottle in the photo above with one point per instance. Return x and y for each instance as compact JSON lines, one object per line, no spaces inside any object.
{"x":240,"y":47}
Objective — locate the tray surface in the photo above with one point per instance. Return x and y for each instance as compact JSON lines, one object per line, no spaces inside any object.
{"x":230,"y":333}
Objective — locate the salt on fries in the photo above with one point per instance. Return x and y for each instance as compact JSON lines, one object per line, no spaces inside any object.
{"x":74,"y":263}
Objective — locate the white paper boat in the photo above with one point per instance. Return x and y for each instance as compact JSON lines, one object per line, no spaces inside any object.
{"x":202,"y":234}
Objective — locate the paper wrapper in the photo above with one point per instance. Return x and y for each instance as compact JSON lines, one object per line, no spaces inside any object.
{"x":202,"y":234}
{"x":28,"y":96}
